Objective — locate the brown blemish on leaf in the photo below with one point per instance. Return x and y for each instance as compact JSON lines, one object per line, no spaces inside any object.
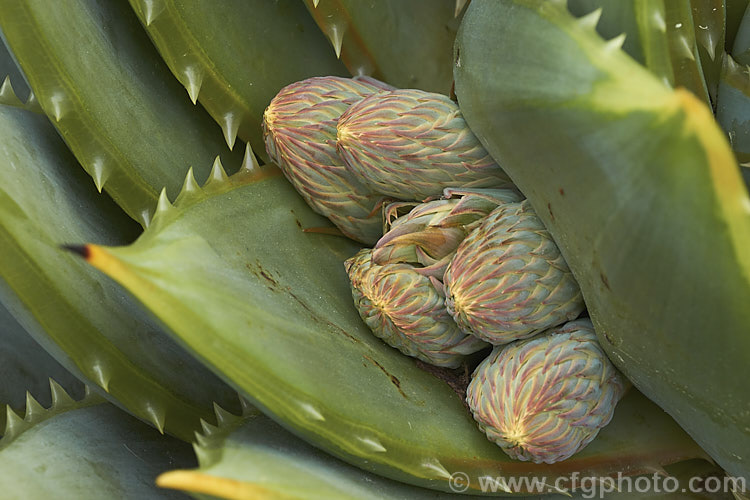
{"x":296,"y":220}
{"x":604,"y":280}
{"x":274,"y":286}
{"x":395,"y":381}
{"x":549,"y":209}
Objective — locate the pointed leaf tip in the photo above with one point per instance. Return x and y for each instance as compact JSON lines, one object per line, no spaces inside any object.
{"x":198,"y":482}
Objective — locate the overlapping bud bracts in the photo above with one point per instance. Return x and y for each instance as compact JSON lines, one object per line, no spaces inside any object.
{"x":430,"y":233}
{"x":508,"y":280}
{"x":299,"y":128}
{"x":544,"y":399}
{"x":407,"y":310}
{"x":411,"y":144}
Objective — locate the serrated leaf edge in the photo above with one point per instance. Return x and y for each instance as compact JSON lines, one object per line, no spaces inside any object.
{"x":62,"y":402}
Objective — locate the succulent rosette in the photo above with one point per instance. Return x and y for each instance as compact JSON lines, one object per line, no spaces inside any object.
{"x":544,"y":399}
{"x":430,"y":233}
{"x":299,"y":129}
{"x":411,"y":144}
{"x":407,"y":310}
{"x":508,"y":280}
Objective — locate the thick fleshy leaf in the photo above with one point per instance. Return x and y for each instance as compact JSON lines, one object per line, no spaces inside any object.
{"x":273,"y":44}
{"x":83,"y":319}
{"x":268,"y":307}
{"x":407,"y":44}
{"x":114,"y":101}
{"x":83,"y":449}
{"x":256,"y":456}
{"x":660,"y":34}
{"x":640,"y":190}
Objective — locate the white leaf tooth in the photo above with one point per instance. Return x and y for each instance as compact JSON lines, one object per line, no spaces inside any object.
{"x":193,"y":79}
{"x":312,"y":412}
{"x":498,"y":482}
{"x":60,"y":396}
{"x":100,"y":375}
{"x":13,"y":424}
{"x":336,"y":36}
{"x":6,"y":87}
{"x":223,"y":417}
{"x":57,"y":102}
{"x":460,"y":4}
{"x":201,"y":439}
{"x":249,"y":161}
{"x":33,"y":408}
{"x":145,"y":217}
{"x":190,"y":187}
{"x":230,"y":125}
{"x":32,"y":103}
{"x":709,"y":42}
{"x":247,"y":407}
{"x":436,"y":468}
{"x":685,"y":48}
{"x":163,"y":205}
{"x":590,"y":20}
{"x":100,"y":172}
{"x":614,"y":44}
{"x":151,"y":9}
{"x":373,"y":444}
{"x":203,"y":455}
{"x":206,"y":428}
{"x":7,"y":94}
{"x":218,"y":174}
{"x":657,"y":19}
{"x":315,"y":3}
{"x":155,"y":415}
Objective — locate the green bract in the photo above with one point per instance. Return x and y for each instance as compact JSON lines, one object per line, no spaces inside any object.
{"x":429,"y":234}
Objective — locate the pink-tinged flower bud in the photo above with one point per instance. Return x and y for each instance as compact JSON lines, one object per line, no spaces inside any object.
{"x":411,"y":144}
{"x":545,"y":398}
{"x":299,"y":128}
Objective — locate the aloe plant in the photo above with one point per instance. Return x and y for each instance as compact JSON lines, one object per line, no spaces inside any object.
{"x":151,"y":251}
